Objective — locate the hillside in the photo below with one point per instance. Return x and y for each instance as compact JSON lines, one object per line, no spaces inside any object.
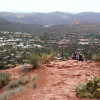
{"x":78,"y":27}
{"x":53,"y":18}
{"x":6,"y":25}
{"x":57,"y":80}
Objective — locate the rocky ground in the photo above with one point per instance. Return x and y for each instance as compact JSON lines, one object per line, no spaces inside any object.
{"x":57,"y":80}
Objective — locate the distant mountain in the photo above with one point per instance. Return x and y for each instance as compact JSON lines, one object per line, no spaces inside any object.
{"x":2,"y":21}
{"x":14,"y":26}
{"x":78,"y":26}
{"x":54,"y":18}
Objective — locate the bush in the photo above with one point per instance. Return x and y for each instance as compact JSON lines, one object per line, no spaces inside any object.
{"x":52,"y":56}
{"x":89,"y":89}
{"x":47,"y":58}
{"x":13,"y":66}
{"x":96,"y":57}
{"x":4,"y":79}
{"x":13,"y":84}
{"x":8,"y":93}
{"x":34,"y":60}
{"x":17,"y":83}
{"x":2,"y":65}
{"x":34,"y":76}
{"x":23,"y":81}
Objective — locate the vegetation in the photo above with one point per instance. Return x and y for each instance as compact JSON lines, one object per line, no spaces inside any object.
{"x":2,"y":65}
{"x":34,"y":77}
{"x":15,"y":27}
{"x":13,"y":84}
{"x":4,"y":79}
{"x":17,"y":83}
{"x":96,"y":57}
{"x":6,"y":94}
{"x":48,"y":57}
{"x":34,"y":60}
{"x":90,"y":89}
{"x":44,"y":43}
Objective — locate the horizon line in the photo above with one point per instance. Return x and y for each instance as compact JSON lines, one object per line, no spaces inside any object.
{"x":48,"y":12}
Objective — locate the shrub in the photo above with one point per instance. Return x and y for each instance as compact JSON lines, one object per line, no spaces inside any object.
{"x":8,"y":93}
{"x":96,"y":57}
{"x":47,"y":58}
{"x":2,"y":65}
{"x":34,"y":60}
{"x":23,"y":81}
{"x":4,"y":79}
{"x":52,"y":56}
{"x":89,"y":89}
{"x":17,"y":83}
{"x":13,"y":66}
{"x":34,"y":76}
{"x":13,"y":84}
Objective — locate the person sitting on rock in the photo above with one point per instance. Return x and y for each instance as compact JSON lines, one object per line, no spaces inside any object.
{"x":74,"y":56}
{"x":81,"y":57}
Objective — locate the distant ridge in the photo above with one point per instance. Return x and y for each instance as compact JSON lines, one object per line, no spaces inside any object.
{"x":14,"y":26}
{"x":52,"y":18}
{"x":79,"y":26}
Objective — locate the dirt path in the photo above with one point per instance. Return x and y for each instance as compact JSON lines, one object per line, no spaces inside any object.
{"x":59,"y":79}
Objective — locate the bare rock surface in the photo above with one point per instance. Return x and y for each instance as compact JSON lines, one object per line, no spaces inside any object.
{"x":58,"y":80}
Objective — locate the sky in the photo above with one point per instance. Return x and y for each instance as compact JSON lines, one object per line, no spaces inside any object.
{"x":72,"y":6}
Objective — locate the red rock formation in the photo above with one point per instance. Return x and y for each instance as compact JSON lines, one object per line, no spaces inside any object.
{"x":57,"y":80}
